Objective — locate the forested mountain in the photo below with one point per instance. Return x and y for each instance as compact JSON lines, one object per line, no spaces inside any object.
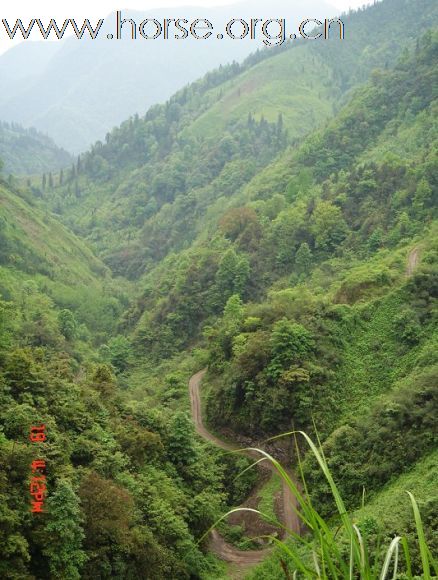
{"x":158,"y":182}
{"x":28,"y":152}
{"x":76,"y":91}
{"x":346,"y":249}
{"x":281,"y":234}
{"x":129,"y":488}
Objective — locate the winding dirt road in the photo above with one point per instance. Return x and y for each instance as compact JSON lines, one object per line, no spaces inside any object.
{"x":219,"y":546}
{"x":240,"y":558}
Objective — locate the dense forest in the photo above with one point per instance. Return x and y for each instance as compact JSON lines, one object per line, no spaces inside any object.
{"x":129,"y":486}
{"x":273,"y":223}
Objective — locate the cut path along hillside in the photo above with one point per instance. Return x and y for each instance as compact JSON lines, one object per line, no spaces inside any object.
{"x":290,"y":519}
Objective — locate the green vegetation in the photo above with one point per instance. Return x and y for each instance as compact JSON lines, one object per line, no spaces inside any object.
{"x":342,"y":548}
{"x":28,"y":152}
{"x":286,"y":241}
{"x":161,"y":182}
{"x":129,"y":487}
{"x":268,"y":494}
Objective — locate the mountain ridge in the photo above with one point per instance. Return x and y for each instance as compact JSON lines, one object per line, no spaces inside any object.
{"x":76,"y":98}
{"x":28,"y":152}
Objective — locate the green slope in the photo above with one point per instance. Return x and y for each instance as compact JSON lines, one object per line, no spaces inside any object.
{"x":380,"y":520}
{"x":28,"y":152}
{"x":123,"y":484}
{"x":324,"y":267}
{"x":295,"y":83}
{"x":51,"y":248}
{"x":38,"y":249}
{"x":301,"y":269}
{"x":156,"y":182}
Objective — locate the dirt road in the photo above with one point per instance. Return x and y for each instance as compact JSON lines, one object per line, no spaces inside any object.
{"x":219,"y":546}
{"x":242,"y":560}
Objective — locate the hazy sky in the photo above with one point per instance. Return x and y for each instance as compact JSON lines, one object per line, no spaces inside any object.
{"x":27,"y":8}
{"x":79,"y":9}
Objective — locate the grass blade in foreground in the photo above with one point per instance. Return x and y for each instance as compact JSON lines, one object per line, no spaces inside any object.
{"x":322,"y":554}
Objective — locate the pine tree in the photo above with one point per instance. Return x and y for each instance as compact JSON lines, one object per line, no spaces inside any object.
{"x":232,"y":275}
{"x":303,"y":259}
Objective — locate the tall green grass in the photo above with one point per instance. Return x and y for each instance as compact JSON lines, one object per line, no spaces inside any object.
{"x":337,"y":550}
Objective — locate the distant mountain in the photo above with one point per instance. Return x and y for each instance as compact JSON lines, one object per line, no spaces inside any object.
{"x":77,"y":91}
{"x":28,"y":152}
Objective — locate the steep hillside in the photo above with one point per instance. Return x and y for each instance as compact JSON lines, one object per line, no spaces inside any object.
{"x":371,"y":206}
{"x":27,"y":152}
{"x":36,"y":245}
{"x":67,"y":89}
{"x":381,"y":519}
{"x":340,"y":248}
{"x":297,"y":261}
{"x":125,"y":488}
{"x":324,"y":267}
{"x":158,"y":182}
{"x":47,"y":273}
{"x":346,"y":339}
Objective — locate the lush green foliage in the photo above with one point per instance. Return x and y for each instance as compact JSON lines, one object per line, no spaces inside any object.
{"x":158,"y":183}
{"x":303,"y":273}
{"x":129,"y":486}
{"x":342,"y":548}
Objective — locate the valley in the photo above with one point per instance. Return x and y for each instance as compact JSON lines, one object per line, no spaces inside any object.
{"x":273,"y":224}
